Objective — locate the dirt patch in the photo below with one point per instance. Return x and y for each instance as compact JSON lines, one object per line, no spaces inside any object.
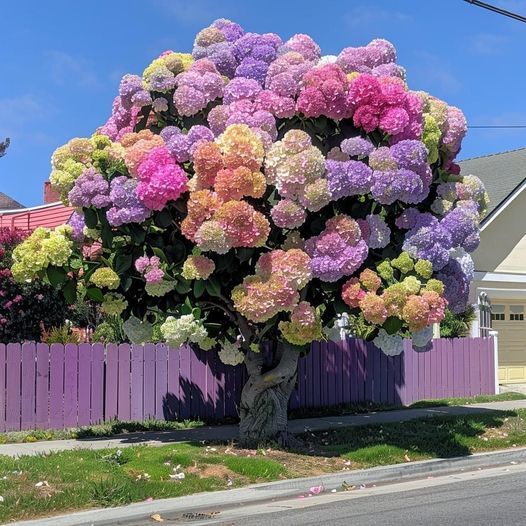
{"x":211,"y":470}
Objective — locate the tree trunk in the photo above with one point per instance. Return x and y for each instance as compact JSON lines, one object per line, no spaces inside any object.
{"x":265,"y":398}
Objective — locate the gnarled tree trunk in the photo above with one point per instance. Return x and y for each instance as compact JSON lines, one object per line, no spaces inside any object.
{"x":265,"y":397}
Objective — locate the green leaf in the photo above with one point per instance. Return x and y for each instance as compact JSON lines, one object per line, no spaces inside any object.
{"x":244,"y":254}
{"x":75,"y":263}
{"x":137,"y":234}
{"x":70,"y":291}
{"x":160,"y":254}
{"x":95,"y":294}
{"x":196,"y":312}
{"x":183,"y":286}
{"x":163,"y":219}
{"x":199,"y":287}
{"x":392,"y":325}
{"x":56,"y":276}
{"x":106,"y":236}
{"x":90,"y":217}
{"x":213,"y":287}
{"x":123,"y":262}
{"x":127,"y":284}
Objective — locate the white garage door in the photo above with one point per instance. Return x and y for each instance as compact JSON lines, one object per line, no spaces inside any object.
{"x":508,"y":317}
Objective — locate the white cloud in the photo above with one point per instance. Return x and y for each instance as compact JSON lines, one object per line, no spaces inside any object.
{"x":432,"y":73}
{"x":365,"y":17}
{"x":488,"y":43}
{"x":192,"y":12}
{"x":19,"y":116}
{"x":66,"y":69}
{"x":17,"y":111}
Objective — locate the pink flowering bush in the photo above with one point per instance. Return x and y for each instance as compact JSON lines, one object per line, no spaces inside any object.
{"x":254,"y":191}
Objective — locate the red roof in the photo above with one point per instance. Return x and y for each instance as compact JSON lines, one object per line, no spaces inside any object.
{"x":27,"y":219}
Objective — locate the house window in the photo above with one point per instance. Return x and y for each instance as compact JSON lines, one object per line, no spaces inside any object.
{"x":497,"y":313}
{"x":516,"y":312}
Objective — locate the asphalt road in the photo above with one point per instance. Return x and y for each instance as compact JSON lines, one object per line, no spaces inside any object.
{"x":499,"y":500}
{"x":485,"y":497}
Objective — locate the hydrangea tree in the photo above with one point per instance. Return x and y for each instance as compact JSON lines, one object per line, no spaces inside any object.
{"x":254,"y":196}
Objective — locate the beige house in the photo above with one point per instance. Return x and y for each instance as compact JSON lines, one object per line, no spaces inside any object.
{"x":500,"y":261}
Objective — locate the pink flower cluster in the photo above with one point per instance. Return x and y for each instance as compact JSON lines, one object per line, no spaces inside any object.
{"x":274,"y":287}
{"x":384,"y":103}
{"x":324,"y":92}
{"x":161,"y":179}
{"x":150,"y":269}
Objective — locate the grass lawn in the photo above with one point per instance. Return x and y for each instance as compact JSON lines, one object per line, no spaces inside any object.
{"x":73,"y":480}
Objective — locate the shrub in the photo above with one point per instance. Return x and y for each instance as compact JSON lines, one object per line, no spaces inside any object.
{"x":25,"y":308}
{"x":457,"y":325}
{"x":62,"y":334}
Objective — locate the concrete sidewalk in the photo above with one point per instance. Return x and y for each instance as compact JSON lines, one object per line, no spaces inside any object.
{"x":225,"y":433}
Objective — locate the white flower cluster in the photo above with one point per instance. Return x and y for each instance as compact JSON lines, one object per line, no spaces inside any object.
{"x":230,"y":353}
{"x":186,"y":329}
{"x":422,"y":337}
{"x":389,"y":344}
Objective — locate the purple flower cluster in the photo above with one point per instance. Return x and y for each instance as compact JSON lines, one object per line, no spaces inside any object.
{"x":456,"y":282}
{"x":379,"y":232}
{"x":401,"y":173}
{"x":182,"y":145}
{"x":357,"y":147}
{"x":121,"y":121}
{"x":197,"y":87}
{"x":463,"y":225}
{"x":243,"y":111}
{"x":338,"y":251}
{"x":126,"y":206}
{"x":348,"y":178}
{"x":132,"y":93}
{"x":377,"y":57}
{"x":77,"y":223}
{"x":91,"y":189}
{"x":426,"y":239}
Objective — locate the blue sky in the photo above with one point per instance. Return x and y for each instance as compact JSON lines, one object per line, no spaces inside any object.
{"x":61,"y":64}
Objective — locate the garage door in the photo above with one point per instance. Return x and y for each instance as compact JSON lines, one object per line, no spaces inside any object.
{"x":508,"y":317}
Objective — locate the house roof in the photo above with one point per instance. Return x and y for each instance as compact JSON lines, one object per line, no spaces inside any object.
{"x":8,"y":203}
{"x":501,"y":173}
{"x":48,"y":215}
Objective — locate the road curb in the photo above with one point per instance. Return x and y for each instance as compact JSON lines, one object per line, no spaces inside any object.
{"x":212,"y":501}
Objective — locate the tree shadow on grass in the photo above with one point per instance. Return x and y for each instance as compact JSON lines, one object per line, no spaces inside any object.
{"x":443,"y":437}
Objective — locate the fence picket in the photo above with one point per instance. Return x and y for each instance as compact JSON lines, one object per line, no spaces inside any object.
{"x":84,"y":384}
{"x":28,"y":386}
{"x":123,"y":393}
{"x":56,"y":390}
{"x":97,"y":383}
{"x":71,"y":375}
{"x":137,"y":383}
{"x":42,"y":387}
{"x":14,"y":357}
{"x":111,"y":382}
{"x":149,"y":381}
{"x":3,"y":366}
{"x":161,"y":379}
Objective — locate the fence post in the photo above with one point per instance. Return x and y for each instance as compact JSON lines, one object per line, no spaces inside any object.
{"x":495,"y":336}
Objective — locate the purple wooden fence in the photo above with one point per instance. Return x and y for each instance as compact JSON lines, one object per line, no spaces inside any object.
{"x":61,"y":386}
